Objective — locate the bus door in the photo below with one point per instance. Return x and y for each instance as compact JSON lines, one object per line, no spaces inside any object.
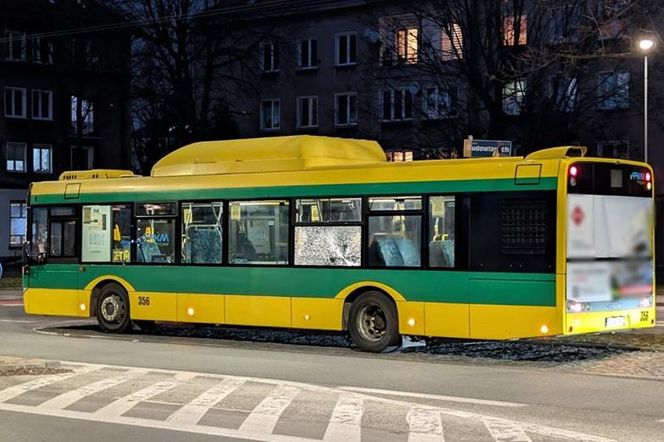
{"x":54,"y":251}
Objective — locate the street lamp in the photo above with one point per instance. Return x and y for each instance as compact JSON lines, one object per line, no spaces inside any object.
{"x":646,"y":45}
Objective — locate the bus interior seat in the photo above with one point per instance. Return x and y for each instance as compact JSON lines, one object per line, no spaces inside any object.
{"x":204,"y":244}
{"x":392,"y":252}
{"x":148,"y":251}
{"x":441,"y":253}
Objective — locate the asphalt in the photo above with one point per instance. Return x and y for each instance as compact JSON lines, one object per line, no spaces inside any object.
{"x":10,"y":365}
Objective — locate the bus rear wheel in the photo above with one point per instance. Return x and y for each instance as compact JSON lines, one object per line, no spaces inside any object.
{"x":373,"y":323}
{"x":113,"y":309}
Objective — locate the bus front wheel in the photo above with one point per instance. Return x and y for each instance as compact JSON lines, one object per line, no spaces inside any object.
{"x":373,"y":323}
{"x":113,"y":309}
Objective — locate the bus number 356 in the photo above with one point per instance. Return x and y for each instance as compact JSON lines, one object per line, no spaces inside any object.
{"x":143,"y":300}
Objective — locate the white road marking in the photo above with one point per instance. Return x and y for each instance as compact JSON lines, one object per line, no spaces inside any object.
{"x":11,"y":304}
{"x":346,"y":421}
{"x":126,"y":403}
{"x":192,"y":412}
{"x":265,"y":416}
{"x":17,"y":390}
{"x":424,"y":425}
{"x":24,"y":321}
{"x":434,"y":396}
{"x":504,"y":430}
{"x":66,"y":399}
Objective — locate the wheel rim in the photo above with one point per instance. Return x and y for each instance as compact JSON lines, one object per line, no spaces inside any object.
{"x":372,"y":323}
{"x":113,"y":309}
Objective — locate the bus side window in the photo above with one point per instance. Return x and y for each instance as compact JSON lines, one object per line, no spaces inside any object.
{"x":441,"y":231}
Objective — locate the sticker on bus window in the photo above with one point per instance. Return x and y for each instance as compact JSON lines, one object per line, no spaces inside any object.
{"x":235,"y":212}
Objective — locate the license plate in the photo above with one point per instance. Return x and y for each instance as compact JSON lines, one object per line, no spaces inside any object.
{"x":615,"y":321}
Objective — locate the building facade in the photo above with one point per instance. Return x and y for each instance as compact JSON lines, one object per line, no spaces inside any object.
{"x":421,"y":76}
{"x":65,"y":101}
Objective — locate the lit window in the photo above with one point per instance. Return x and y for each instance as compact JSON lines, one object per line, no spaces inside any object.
{"x":41,"y":158}
{"x":270,"y":114}
{"x":308,"y":54}
{"x":452,"y":42}
{"x":345,"y":109}
{"x":258,"y":232}
{"x":14,"y":46}
{"x":307,"y":112}
{"x":18,"y":215}
{"x":515,"y":30}
{"x":406,"y":45}
{"x":397,"y":104}
{"x":514,"y":93}
{"x":396,"y":155}
{"x":15,"y":157}
{"x":346,"y":48}
{"x":15,"y":102}
{"x":42,"y":104}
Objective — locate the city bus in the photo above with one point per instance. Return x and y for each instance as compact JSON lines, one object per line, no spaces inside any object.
{"x":322,"y":233}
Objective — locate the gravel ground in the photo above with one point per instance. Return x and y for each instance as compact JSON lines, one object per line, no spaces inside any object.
{"x":22,"y":371}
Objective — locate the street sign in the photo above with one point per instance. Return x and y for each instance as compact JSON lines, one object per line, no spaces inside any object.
{"x":486,"y":148}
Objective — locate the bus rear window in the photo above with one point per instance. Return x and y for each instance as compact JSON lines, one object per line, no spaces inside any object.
{"x":609,"y":179}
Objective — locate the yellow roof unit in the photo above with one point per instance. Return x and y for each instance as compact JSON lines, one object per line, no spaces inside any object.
{"x":94,"y":174}
{"x":272,"y":154}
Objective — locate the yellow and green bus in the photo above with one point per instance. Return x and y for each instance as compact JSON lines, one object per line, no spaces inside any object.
{"x":323,"y":233}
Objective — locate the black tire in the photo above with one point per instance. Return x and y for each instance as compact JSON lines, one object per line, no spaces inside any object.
{"x":146,"y":326}
{"x":113,"y":309}
{"x":373,"y":323}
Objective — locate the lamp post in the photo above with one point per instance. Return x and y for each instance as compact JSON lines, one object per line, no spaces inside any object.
{"x":645,"y":45}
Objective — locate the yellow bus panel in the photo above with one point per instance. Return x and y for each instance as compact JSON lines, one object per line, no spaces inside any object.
{"x":267,"y":311}
{"x":314,"y":313}
{"x":56,"y":302}
{"x":153,"y":306}
{"x":207,"y":309}
{"x":508,"y":322}
{"x":449,"y":320}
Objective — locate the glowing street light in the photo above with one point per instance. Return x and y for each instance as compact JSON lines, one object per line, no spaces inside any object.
{"x":646,"y":45}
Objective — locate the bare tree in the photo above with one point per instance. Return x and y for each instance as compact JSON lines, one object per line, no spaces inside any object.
{"x":536,"y":72}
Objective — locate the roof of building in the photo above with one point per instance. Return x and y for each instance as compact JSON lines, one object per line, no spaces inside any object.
{"x":273,"y":154}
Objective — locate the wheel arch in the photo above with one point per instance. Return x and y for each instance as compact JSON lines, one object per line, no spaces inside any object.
{"x":352,"y":292}
{"x":96,"y":285}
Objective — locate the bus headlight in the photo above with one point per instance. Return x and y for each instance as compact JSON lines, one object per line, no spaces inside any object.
{"x":646,"y":302}
{"x":577,"y":307}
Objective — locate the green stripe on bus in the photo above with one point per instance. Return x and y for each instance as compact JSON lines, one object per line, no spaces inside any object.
{"x":295,"y":191}
{"x":532,"y":289}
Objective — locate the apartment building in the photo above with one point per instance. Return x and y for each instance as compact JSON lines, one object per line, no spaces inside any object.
{"x":65,"y":101}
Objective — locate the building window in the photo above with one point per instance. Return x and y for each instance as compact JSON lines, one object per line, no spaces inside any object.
{"x":308,"y":54}
{"x":82,"y":159}
{"x":514,"y":93}
{"x":563,"y":93}
{"x":15,"y":157}
{"x":15,"y":102}
{"x":18,"y":216}
{"x":397,"y":104}
{"x":451,"y":42}
{"x":407,"y":45}
{"x":42,"y":104}
{"x":269,"y":57}
{"x":270,"y":114}
{"x":42,"y":51}
{"x":345,"y":109}
{"x":307,"y":112}
{"x":614,"y":90}
{"x":515,"y":30}
{"x":14,"y":46}
{"x":439,"y":103}
{"x":42,"y":158}
{"x":346,"y":48}
{"x":82,"y":115}
{"x":399,"y":155}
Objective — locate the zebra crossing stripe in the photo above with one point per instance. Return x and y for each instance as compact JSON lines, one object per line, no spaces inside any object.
{"x":345,"y":423}
{"x":424,"y":425}
{"x":503,"y":430}
{"x":192,"y":412}
{"x":124,"y":404}
{"x":34,"y":384}
{"x":66,"y":399}
{"x":265,"y":416}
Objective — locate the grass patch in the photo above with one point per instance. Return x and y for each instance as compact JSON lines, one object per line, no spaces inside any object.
{"x":10,"y":282}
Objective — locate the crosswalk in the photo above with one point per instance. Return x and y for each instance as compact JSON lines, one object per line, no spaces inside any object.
{"x":253,"y":408}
